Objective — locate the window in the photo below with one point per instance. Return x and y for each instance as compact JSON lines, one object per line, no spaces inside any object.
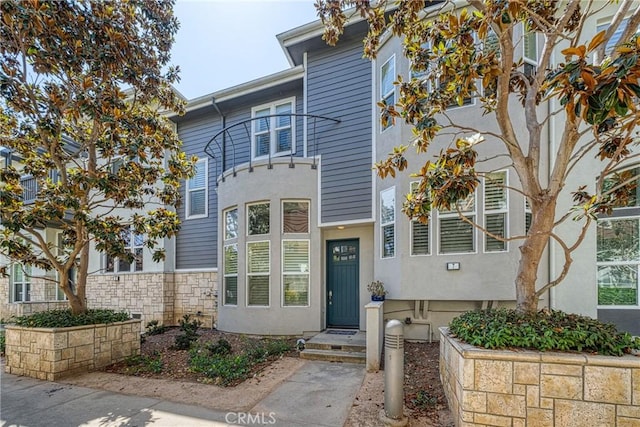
{"x":387,"y":222}
{"x":133,"y":242}
{"x":197,"y":191}
{"x":258,"y":219}
{"x":387,"y":89}
{"x":295,"y":273}
{"x":420,"y":241}
{"x":495,"y":210}
{"x":527,"y":216}
{"x":457,"y":235}
{"x":615,"y":38}
{"x":273,"y":131}
{"x":231,"y":224}
{"x":230,"y":274}
{"x":295,"y":217}
{"x":258,"y":271}
{"x":21,"y":283}
{"x":530,"y":52}
{"x":618,"y":249}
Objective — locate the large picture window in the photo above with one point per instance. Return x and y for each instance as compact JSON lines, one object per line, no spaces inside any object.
{"x":618,"y":247}
{"x":456,"y":234}
{"x":134,"y":243}
{"x":273,"y":131}
{"x":258,"y":219}
{"x":21,"y":283}
{"x":258,"y":271}
{"x":197,"y":192}
{"x":295,"y":273}
{"x":387,"y":222}
{"x":495,"y":210}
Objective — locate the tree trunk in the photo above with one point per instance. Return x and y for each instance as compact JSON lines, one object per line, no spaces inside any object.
{"x":542,"y":220}
{"x":78,"y":305}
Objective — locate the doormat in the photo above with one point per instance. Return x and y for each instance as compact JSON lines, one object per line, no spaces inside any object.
{"x":334,"y":332}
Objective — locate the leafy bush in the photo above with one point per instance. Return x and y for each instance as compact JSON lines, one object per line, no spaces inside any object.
{"x":143,"y":364}
{"x":221,"y":348}
{"x":544,"y":331}
{"x":227,"y":368}
{"x":3,"y":342}
{"x":189,"y":334}
{"x":64,"y":318}
{"x":153,"y":328}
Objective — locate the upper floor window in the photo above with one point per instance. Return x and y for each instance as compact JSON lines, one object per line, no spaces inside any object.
{"x":231,"y":224}
{"x":295,"y":217}
{"x":273,"y":130}
{"x":134,"y":243}
{"x":530,"y":52}
{"x":197,"y":191}
{"x":387,"y":88}
{"x":21,"y":283}
{"x":456,"y":234}
{"x":258,"y":219}
{"x":495,"y":210}
{"x":387,"y":222}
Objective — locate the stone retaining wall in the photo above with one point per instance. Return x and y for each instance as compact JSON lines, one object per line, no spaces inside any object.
{"x":53,"y":353}
{"x":527,"y":388}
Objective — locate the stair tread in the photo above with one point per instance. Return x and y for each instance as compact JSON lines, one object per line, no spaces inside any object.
{"x":334,"y":355}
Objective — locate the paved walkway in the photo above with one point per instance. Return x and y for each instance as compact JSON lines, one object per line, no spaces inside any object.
{"x":318,"y":394}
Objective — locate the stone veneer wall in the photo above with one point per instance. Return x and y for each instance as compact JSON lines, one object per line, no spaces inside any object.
{"x":43,"y":293}
{"x":164,"y":297}
{"x":527,"y":388}
{"x":53,"y":353}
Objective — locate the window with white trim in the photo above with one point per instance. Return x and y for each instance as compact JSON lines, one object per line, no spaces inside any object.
{"x":21,"y":283}
{"x":387,"y":88}
{"x":387,"y":222}
{"x":258,"y":219}
{"x":618,"y":248}
{"x":134,"y":243}
{"x":528,"y":216}
{"x":530,"y":52}
{"x":456,"y":234}
{"x":258,"y":273}
{"x":295,"y":273}
{"x":273,"y":132}
{"x":615,"y":38}
{"x":420,"y":232}
{"x":230,"y":265}
{"x":197,"y":197}
{"x":230,"y":257}
{"x":295,"y":216}
{"x":495,"y":210}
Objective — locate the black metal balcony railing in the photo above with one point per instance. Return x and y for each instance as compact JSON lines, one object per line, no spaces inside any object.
{"x":226,"y":135}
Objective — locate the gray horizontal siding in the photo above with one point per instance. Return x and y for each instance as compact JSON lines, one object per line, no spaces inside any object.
{"x":196,"y":244}
{"x":339,"y":86}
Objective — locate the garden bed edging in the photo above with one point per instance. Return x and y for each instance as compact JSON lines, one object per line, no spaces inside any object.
{"x":528,"y":388}
{"x":54,"y":353}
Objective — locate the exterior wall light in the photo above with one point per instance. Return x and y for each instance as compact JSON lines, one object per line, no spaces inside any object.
{"x":452,"y":266}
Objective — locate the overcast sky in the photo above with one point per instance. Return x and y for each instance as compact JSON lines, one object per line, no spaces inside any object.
{"x":222,"y":43}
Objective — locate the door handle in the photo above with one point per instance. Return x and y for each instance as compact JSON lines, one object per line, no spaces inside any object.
{"x":330,"y":296}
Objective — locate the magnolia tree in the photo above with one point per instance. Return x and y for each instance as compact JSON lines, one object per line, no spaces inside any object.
{"x":471,"y":52}
{"x":82,"y":84}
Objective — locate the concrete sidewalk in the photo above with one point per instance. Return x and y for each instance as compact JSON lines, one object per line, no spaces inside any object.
{"x":318,"y":394}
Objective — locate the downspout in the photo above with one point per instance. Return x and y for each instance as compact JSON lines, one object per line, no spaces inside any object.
{"x":224,"y":136}
{"x":552,"y":251}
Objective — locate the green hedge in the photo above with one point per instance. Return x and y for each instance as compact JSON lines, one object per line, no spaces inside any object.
{"x":544,"y":331}
{"x":64,"y":318}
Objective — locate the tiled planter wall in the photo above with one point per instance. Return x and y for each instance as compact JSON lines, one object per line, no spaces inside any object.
{"x":53,"y":353}
{"x":527,"y":388}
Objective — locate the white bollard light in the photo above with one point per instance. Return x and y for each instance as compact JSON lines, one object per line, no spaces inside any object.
{"x":394,"y":373}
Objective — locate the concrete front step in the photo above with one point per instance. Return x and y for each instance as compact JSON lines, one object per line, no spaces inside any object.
{"x":334,"y":355}
{"x":313,"y":345}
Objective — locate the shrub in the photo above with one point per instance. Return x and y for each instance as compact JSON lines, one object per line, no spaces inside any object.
{"x":221,"y":348}
{"x":143,"y":364}
{"x":189,"y":334}
{"x":64,"y":318}
{"x":153,"y":328}
{"x":3,"y":342}
{"x":544,"y":331}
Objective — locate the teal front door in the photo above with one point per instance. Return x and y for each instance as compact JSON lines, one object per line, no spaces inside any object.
{"x":343,"y":265}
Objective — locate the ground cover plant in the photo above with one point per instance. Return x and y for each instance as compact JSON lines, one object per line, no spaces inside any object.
{"x":65,"y":318}
{"x":544,"y":330}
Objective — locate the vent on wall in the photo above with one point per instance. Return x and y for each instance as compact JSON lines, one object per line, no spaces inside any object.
{"x":136,"y":316}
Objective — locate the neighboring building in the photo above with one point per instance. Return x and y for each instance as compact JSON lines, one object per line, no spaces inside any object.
{"x":285,"y":223}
